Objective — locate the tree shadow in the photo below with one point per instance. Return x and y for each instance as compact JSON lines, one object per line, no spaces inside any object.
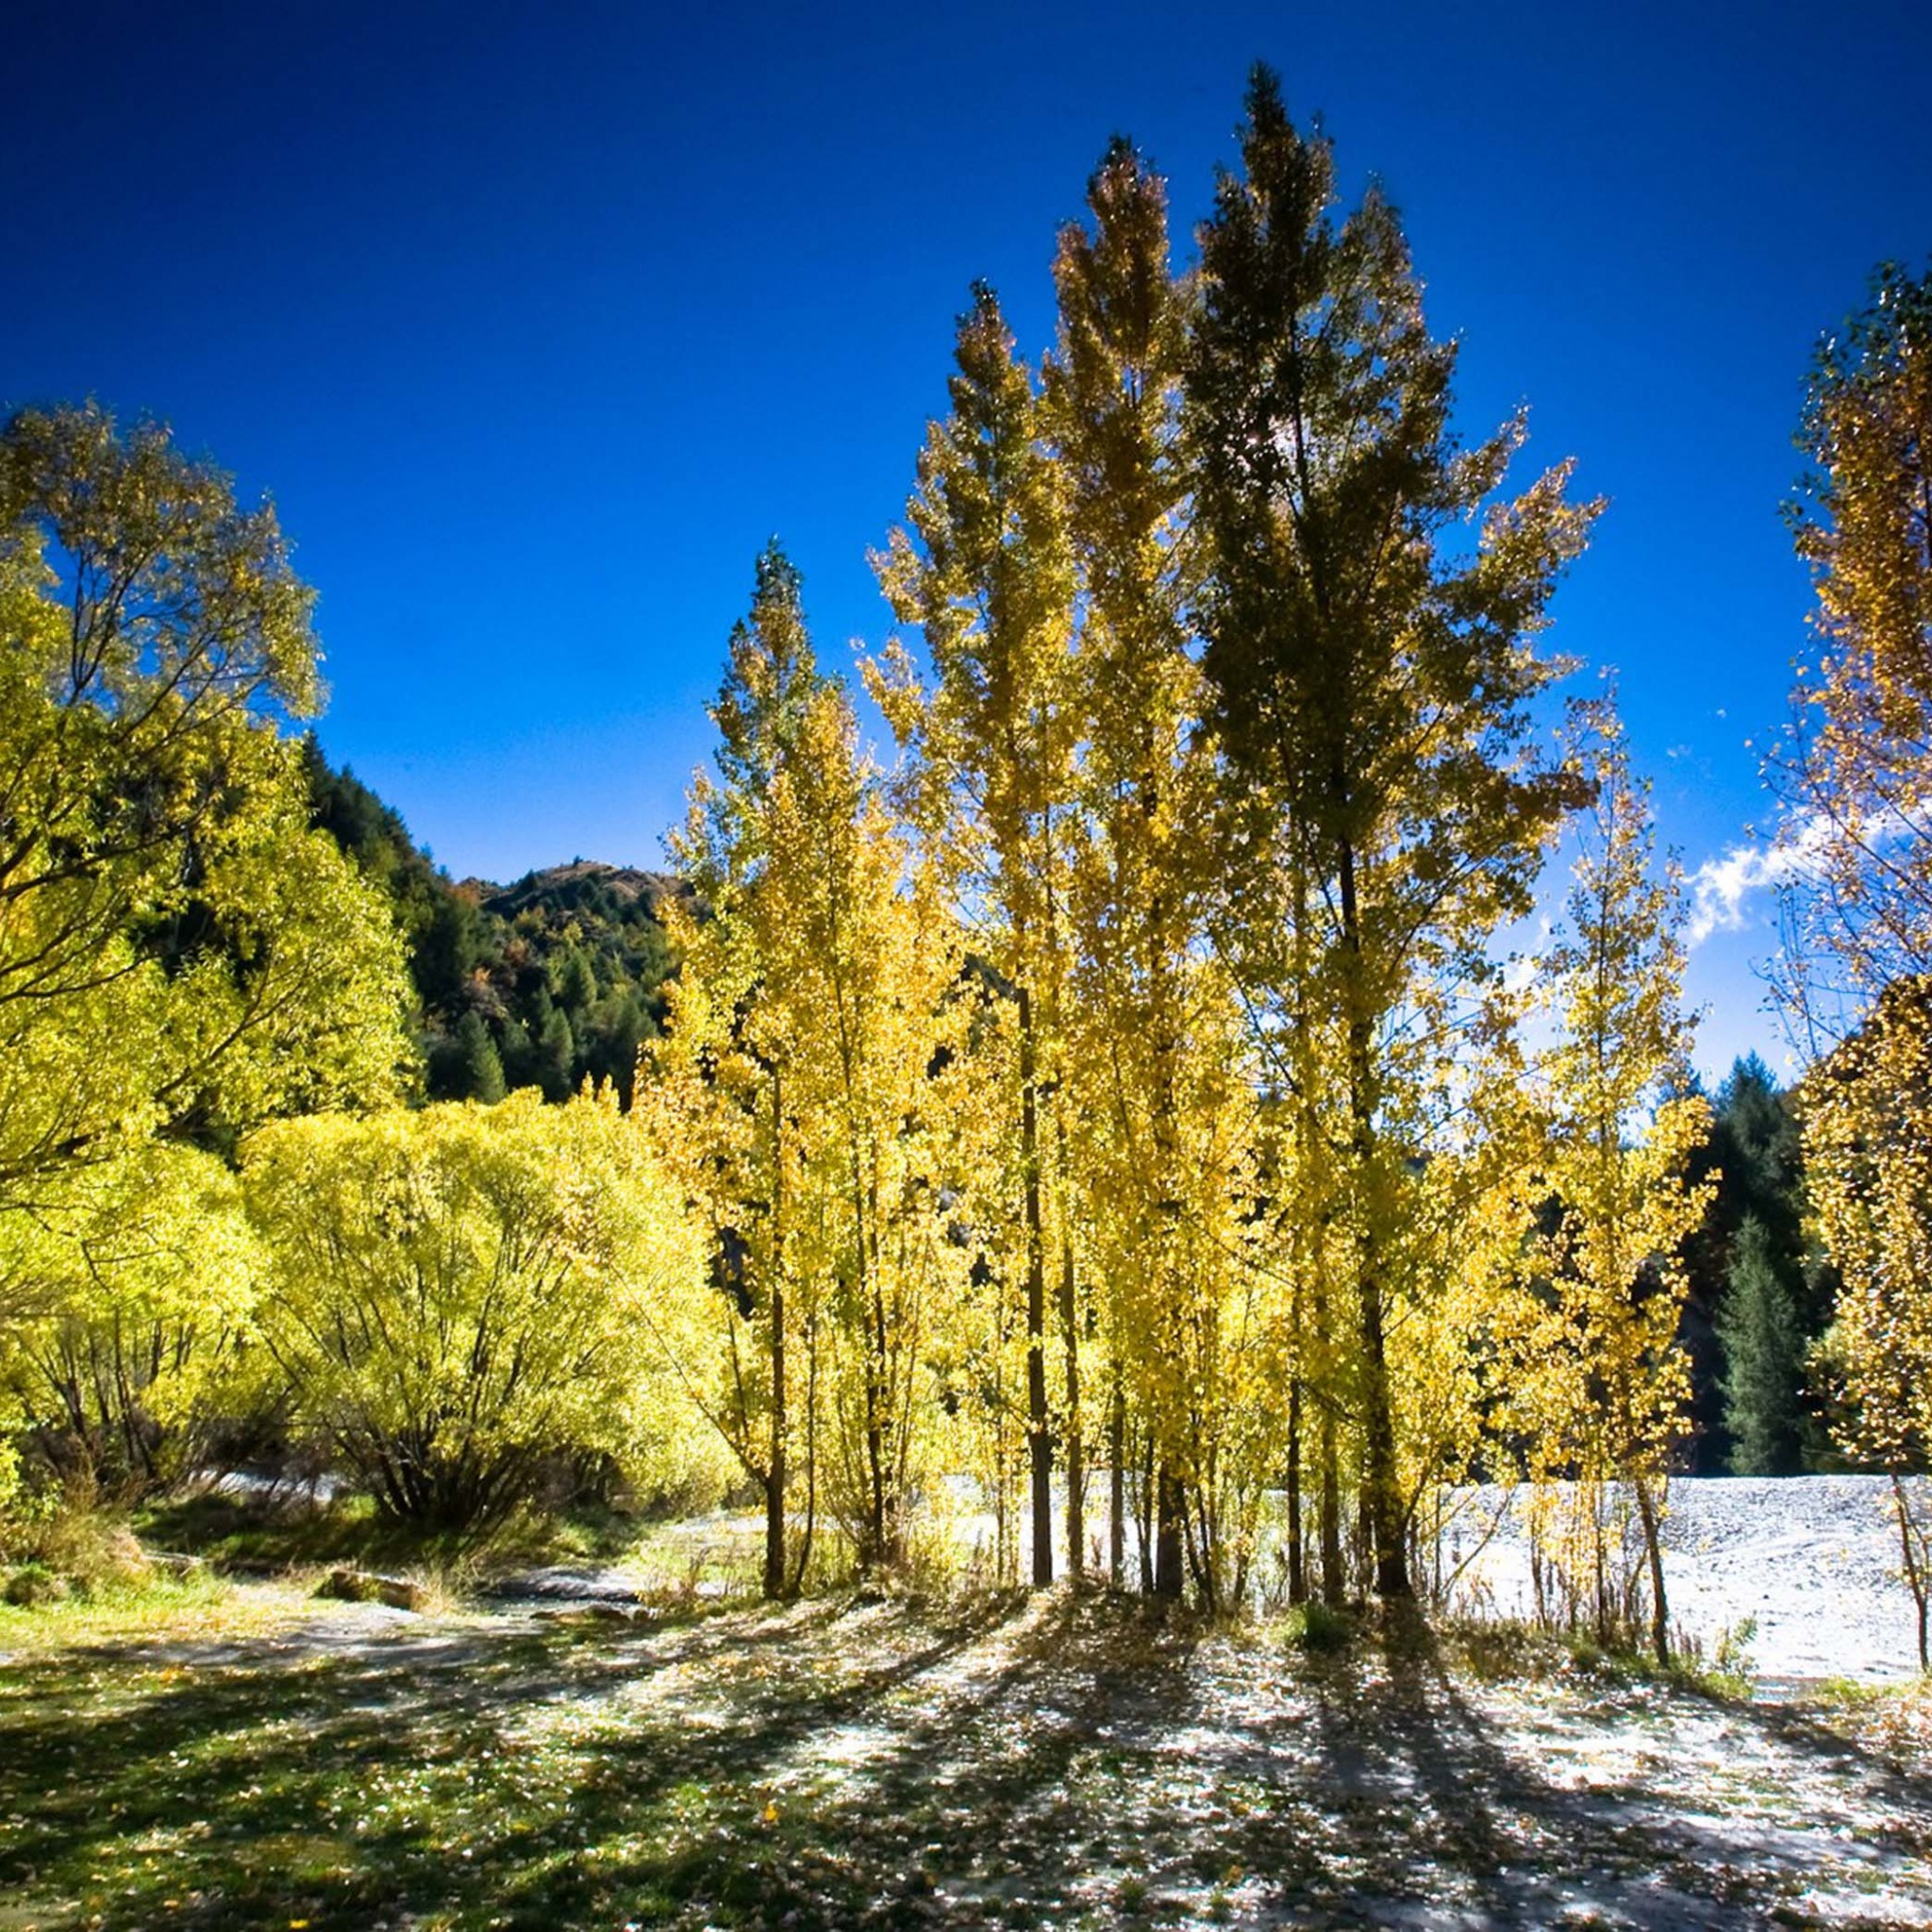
{"x":986,"y":1761}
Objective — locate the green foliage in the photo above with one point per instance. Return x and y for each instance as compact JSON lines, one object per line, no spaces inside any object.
{"x":562,"y":973}
{"x":1316,"y":1628}
{"x":1764,"y":1345}
{"x":461,"y":1296}
{"x":178,"y":950}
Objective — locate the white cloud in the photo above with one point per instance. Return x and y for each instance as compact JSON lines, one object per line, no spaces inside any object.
{"x":1721,"y":887}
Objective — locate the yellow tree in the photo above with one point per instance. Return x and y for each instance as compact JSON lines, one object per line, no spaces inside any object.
{"x":1369,"y":606}
{"x":1857,"y":776}
{"x":1857,"y":770}
{"x":985,"y":572}
{"x":858,"y":958}
{"x":129,"y":1313}
{"x":1600,"y":1383}
{"x":181,"y":954}
{"x":716,"y":1101}
{"x":806,"y":1083}
{"x":1138,"y":874}
{"x":1868,"y":1172}
{"x":460,"y":1293}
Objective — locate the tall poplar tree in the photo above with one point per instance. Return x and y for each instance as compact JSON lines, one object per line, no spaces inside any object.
{"x":1369,"y":667}
{"x":1857,"y":770}
{"x":1604,"y":1382}
{"x":1142,"y":867}
{"x":720,"y":1104}
{"x":985,"y":572}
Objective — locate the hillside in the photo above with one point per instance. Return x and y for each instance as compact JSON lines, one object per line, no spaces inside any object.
{"x":553,"y":979}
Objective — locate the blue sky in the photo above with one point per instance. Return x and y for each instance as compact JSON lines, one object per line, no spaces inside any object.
{"x":536,"y":322}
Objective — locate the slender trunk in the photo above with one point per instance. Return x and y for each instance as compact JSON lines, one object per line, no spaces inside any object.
{"x":1297,"y":1559}
{"x":811,"y":1451}
{"x":1144,"y":1516}
{"x":1117,"y":1487}
{"x":1039,"y":1436}
{"x":1169,"y":1557}
{"x":1381,"y":1494}
{"x":1913,"y":1550}
{"x":1077,"y":1448}
{"x":1334,"y":1577}
{"x":776,"y":1473}
{"x":1654,"y":1554}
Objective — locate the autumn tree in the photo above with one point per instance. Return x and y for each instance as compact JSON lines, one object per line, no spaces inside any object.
{"x":1856,"y":771}
{"x":1857,"y":775}
{"x":985,"y":570}
{"x":1601,"y":1382}
{"x":1369,"y":667}
{"x":805,"y":1089}
{"x":717,"y":1104}
{"x":460,"y":1296}
{"x":125,"y":1354}
{"x":1867,"y":1155}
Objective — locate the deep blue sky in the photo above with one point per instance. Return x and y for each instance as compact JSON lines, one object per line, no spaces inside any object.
{"x":537,"y":320}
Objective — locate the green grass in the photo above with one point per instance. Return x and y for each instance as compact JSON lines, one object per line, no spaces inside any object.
{"x":218,"y":1756}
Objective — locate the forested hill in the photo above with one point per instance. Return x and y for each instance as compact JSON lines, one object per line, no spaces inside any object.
{"x":539,"y":983}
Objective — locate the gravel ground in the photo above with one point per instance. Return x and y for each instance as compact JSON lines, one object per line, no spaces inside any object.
{"x":1812,"y":1560}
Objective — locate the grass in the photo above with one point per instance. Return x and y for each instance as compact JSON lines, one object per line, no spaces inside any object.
{"x":216,"y":1756}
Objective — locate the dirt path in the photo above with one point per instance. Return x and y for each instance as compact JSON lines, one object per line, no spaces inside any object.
{"x":995,"y":1761}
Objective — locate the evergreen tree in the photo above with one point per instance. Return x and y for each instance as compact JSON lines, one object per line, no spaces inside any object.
{"x":478,"y":1072}
{"x":1764,"y":1343}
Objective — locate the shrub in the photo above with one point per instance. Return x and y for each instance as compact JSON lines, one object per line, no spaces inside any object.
{"x":460,"y":1296}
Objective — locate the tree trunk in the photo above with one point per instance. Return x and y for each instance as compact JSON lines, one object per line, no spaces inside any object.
{"x":1297,"y":1558}
{"x":1117,"y":1488}
{"x":1038,"y":1435}
{"x":1382,"y":1499}
{"x":1334,"y":1577}
{"x":1654,"y":1554}
{"x":1168,"y":1556}
{"x":776,"y":1473}
{"x":1912,"y":1548}
{"x":1077,"y":1448}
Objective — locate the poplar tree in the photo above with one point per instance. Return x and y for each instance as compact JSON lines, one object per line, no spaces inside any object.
{"x":1603,"y":1382}
{"x":985,"y":570}
{"x":1369,"y":667}
{"x":718,"y":1106}
{"x":1141,"y":866}
{"x":1857,"y":770}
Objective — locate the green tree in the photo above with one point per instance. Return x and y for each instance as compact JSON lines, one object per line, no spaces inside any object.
{"x":458,"y":1295}
{"x":178,"y":948}
{"x":1369,"y":669}
{"x":477,"y":1073}
{"x":1764,"y":1343}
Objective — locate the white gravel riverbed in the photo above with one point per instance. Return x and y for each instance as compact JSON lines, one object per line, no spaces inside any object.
{"x":1813,"y":1561}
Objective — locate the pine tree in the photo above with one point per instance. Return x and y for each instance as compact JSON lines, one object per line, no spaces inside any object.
{"x":479,"y":1069}
{"x":1764,"y":1348}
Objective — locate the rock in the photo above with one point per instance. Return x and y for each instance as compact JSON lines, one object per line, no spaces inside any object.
{"x":363,"y":1587}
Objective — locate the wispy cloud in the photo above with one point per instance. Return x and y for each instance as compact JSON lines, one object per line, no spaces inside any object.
{"x":1721,"y":888}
